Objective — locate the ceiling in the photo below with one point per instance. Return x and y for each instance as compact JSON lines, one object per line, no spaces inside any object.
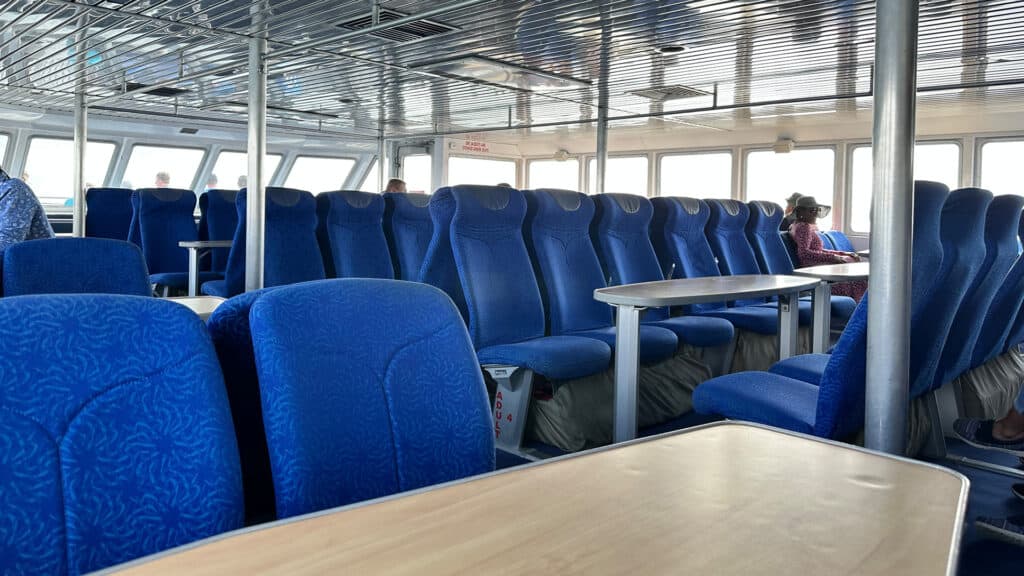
{"x":718,"y":64}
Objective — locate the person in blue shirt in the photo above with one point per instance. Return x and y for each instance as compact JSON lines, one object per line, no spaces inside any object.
{"x":21,"y":216}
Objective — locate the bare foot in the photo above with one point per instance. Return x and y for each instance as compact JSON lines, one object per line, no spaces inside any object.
{"x":1009,"y":428}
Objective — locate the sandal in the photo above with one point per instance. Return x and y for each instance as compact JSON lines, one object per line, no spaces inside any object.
{"x":978,"y":433}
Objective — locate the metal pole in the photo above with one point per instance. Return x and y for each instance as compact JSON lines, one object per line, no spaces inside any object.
{"x":256,"y":194}
{"x":601,"y":153}
{"x":382,"y":145}
{"x":888,"y":344}
{"x":81,"y":137}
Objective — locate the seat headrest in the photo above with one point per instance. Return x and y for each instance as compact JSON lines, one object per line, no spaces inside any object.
{"x":559,"y":209}
{"x":1003,"y":213}
{"x":287,"y":196}
{"x":222,"y":195}
{"x":497,"y":206}
{"x":569,"y":200}
{"x":686,"y":214}
{"x":624,"y":213}
{"x":351,"y":205}
{"x":494,"y":198}
{"x":167,"y":196}
{"x":408,"y":199}
{"x":727,"y":214}
{"x":627,"y":202}
{"x":764,"y":216}
{"x":963,"y":214}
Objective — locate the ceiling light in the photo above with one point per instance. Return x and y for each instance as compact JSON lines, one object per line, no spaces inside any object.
{"x":480,"y":69}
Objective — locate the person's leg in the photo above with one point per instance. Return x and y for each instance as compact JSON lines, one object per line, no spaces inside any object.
{"x":1011,"y":426}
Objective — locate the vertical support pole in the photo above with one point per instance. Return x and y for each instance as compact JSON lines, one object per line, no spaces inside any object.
{"x":821,"y":308}
{"x":78,"y":163}
{"x":601,"y":152}
{"x":627,"y":370}
{"x":382,"y":147}
{"x":888,"y":345}
{"x":255,"y":216}
{"x":789,"y":325}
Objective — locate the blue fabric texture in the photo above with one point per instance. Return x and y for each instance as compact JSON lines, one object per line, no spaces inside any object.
{"x":804,"y":367}
{"x":221,"y":223}
{"x":109,"y":213}
{"x":840,"y":241}
{"x":351,"y":235}
{"x":75,"y":266}
{"x":113,"y":444}
{"x":826,"y":242}
{"x":166,"y":217}
{"x":760,"y":397}
{"x":408,"y":228}
{"x":290,"y":250}
{"x":656,"y":343}
{"x":763,"y":234}
{"x":232,"y":338}
{"x":556,"y":357}
{"x":1001,"y":223}
{"x":841,"y":390}
{"x":438,"y":268}
{"x":134,"y":229}
{"x":373,"y":409}
{"x":683,"y":246}
{"x":697,"y":331}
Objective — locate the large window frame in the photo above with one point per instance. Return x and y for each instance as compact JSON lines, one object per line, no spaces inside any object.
{"x":586,"y":160}
{"x":195,"y":177}
{"x":580,"y":163}
{"x":215,"y":157}
{"x":5,"y":152}
{"x":732,"y":152}
{"x":515,"y":163}
{"x":61,"y":208}
{"x":298,"y":155}
{"x":979,"y":145}
{"x":835,"y":147}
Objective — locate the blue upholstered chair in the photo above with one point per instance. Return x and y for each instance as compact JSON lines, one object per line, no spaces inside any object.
{"x":840,"y":241}
{"x":826,"y":242}
{"x":167,"y":217}
{"x":557,"y":234}
{"x":408,"y":228}
{"x":505,"y":311}
{"x":369,"y":388}
{"x":221,"y":223}
{"x":350,"y":230}
{"x":290,"y":250}
{"x":108,"y":213}
{"x":1004,"y":324}
{"x":116,"y":445}
{"x":75,"y":266}
{"x":134,"y":230}
{"x":438,"y":267}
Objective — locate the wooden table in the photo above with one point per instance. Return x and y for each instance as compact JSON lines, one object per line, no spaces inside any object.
{"x":194,"y":249}
{"x":201,"y":305}
{"x":722,"y":499}
{"x":828,"y":274}
{"x":630,"y":299}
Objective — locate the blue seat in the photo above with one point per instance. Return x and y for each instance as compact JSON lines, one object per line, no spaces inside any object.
{"x":221,"y":223}
{"x":134,"y":231}
{"x":438,"y":267}
{"x":840,"y":241}
{"x":351,"y":234}
{"x":682,"y":247}
{"x":557,"y":234}
{"x":75,"y":266}
{"x":166,"y":217}
{"x":290,"y":249}
{"x":408,"y":228}
{"x":826,"y":242}
{"x":1004,"y":324}
{"x":116,"y":446}
{"x":109,"y":213}
{"x":621,"y":235}
{"x":352,"y":374}
{"x":790,"y":244}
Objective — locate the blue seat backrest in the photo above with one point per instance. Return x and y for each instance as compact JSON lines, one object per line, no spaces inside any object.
{"x":166,"y":217}
{"x":685,"y":246}
{"x":790,"y":245}
{"x":115,"y":444}
{"x":826,"y":242}
{"x":763,"y":235}
{"x":963,"y":245}
{"x":408,"y":228}
{"x":840,"y":241}
{"x":929,"y":199}
{"x":621,"y":233}
{"x":221,"y":223}
{"x":352,"y":373}
{"x":134,"y":230}
{"x":557,"y":234}
{"x":351,"y":234}
{"x":726,"y":232}
{"x":1001,"y":223}
{"x":204,"y":223}
{"x":840,"y":411}
{"x":290,"y":250}
{"x":75,"y":266}
{"x":439,"y":268}
{"x":109,"y":213}
{"x":1014,"y":334}
{"x":494,"y":268}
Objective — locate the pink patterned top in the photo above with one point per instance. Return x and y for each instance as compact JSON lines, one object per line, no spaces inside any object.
{"x":810,"y":252}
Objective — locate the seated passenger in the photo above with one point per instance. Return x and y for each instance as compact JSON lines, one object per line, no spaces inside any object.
{"x":21,"y":215}
{"x":809,"y":250}
{"x":163,"y":180}
{"x":396,"y":185}
{"x":790,"y":216}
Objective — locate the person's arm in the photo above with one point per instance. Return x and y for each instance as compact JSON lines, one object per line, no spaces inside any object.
{"x":15,"y":216}
{"x":806,"y":252}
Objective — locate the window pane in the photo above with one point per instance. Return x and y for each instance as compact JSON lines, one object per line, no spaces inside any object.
{"x":3,"y":147}
{"x":370,"y":183}
{"x":53,"y":186}
{"x":564,"y":174}
{"x":773,"y":177}
{"x":464,"y":170}
{"x":1000,"y":166}
{"x":417,"y":173}
{"x":316,"y":174}
{"x":623,"y":174}
{"x":148,"y":165}
{"x":231,"y":169}
{"x":696,"y":175}
{"x":939,"y":162}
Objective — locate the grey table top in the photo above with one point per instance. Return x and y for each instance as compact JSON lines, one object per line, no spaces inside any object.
{"x":836,"y":272}
{"x":203,"y":306}
{"x":206,"y":244}
{"x":700,"y":290}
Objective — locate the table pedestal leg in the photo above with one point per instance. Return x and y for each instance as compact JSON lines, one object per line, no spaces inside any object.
{"x":822,"y":307}
{"x":193,"y":272}
{"x":627,"y":360}
{"x":789,"y":324}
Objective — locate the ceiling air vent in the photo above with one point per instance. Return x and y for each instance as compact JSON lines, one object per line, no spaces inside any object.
{"x":665,"y":93}
{"x":164,"y":91}
{"x":407,"y":32}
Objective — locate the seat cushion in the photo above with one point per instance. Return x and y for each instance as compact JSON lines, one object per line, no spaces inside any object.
{"x":216,"y":288}
{"x":842,"y":308}
{"x":554,"y":357}
{"x":760,"y":319}
{"x":180,"y":279}
{"x":805,"y":367}
{"x":760,"y":397}
{"x":656,"y":344}
{"x":699,"y":332}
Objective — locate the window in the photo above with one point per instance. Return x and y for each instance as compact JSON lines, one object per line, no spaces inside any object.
{"x":700,"y":175}
{"x":370,"y":182}
{"x":626,"y":174}
{"x":232,"y":168}
{"x":773,"y":176}
{"x":564,"y":174}
{"x":939,"y":162}
{"x":486,"y":171}
{"x":319,"y":174}
{"x":3,"y":147}
{"x":162,"y":166}
{"x":1000,"y":168}
{"x":53,"y":185}
{"x":418,"y":173}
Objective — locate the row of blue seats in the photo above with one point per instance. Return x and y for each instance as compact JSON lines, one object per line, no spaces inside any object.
{"x":967,"y":298}
{"x":115,"y":445}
